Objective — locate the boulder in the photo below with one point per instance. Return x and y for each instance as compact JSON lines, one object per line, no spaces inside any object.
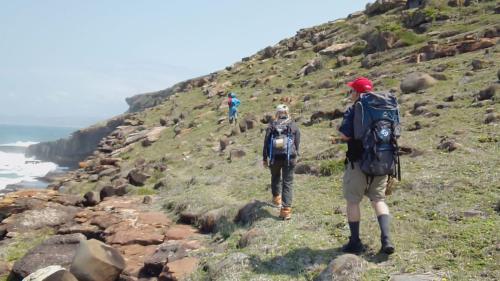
{"x":471,"y":45}
{"x":448,"y":145}
{"x":310,"y":66}
{"x":345,"y":267}
{"x":488,"y":93}
{"x":147,"y":200}
{"x":370,"y":61}
{"x":58,"y":250}
{"x":267,"y":118}
{"x":91,"y":198}
{"x":137,"y":177}
{"x":51,"y":273}
{"x":96,"y":261}
{"x":110,"y":161}
{"x":52,"y":215}
{"x":336,"y":48}
{"x":326,"y":84}
{"x":154,"y":135}
{"x":380,"y":41}
{"x":179,"y":269}
{"x":382,"y":6}
{"x":416,"y":82}
{"x":491,"y":118}
{"x":478,"y":64}
{"x":320,"y":115}
{"x":343,"y":60}
{"x":236,"y":154}
{"x":250,"y":121}
{"x":167,"y":252}
{"x":306,"y":169}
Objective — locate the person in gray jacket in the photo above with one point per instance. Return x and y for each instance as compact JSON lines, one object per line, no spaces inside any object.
{"x":280,"y":152}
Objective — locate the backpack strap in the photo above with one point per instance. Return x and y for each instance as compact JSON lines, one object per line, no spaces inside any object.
{"x":271,"y":156}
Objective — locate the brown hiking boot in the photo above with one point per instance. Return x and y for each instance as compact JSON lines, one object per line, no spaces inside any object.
{"x":277,"y":201}
{"x":286,"y":213}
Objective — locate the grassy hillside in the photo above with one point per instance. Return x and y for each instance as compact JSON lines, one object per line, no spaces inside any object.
{"x":446,"y":208}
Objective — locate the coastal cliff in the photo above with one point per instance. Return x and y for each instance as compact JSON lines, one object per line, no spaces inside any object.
{"x":68,"y":152}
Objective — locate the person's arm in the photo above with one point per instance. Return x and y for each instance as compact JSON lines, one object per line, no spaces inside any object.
{"x":265,"y":148}
{"x":297,"y":140}
{"x":358,"y":126}
{"x":346,"y":128}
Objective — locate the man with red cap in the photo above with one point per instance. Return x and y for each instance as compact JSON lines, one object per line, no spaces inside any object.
{"x":355,"y":182}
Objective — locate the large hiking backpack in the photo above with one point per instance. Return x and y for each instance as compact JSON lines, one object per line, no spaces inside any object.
{"x":281,"y":141}
{"x":380,"y":127}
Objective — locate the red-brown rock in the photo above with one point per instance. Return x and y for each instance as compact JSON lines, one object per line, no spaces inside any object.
{"x":180,"y":232}
{"x":179,"y":269}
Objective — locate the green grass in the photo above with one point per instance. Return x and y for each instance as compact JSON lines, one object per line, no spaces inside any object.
{"x":24,"y":242}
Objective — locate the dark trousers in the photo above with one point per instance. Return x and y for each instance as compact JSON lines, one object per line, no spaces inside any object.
{"x":280,"y":169}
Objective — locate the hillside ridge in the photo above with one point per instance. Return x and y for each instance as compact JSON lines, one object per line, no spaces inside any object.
{"x":176,"y":154}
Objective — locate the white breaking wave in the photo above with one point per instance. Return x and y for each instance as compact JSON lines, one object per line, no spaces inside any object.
{"x":20,"y":143}
{"x":16,"y":167}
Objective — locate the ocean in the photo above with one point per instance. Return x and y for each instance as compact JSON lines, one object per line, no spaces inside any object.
{"x":15,"y":167}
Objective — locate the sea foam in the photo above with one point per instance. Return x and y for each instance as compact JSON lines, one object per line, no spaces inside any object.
{"x":15,"y":167}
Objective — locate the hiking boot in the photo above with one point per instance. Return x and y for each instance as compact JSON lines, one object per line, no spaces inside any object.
{"x":353,"y":247}
{"x":277,"y":201}
{"x":387,"y":247}
{"x":286,"y":213}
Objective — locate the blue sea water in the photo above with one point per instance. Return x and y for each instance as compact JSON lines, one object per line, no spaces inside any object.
{"x":15,"y":167}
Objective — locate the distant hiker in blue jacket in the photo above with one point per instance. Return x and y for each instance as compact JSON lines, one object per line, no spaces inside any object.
{"x":233,"y":104}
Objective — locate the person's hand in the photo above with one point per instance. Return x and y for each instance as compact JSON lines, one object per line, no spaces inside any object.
{"x":265,"y":163}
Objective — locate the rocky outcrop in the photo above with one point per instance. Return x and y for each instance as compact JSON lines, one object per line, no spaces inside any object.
{"x":436,"y":50}
{"x":68,"y":152}
{"x":382,"y":6}
{"x":143,"y":101}
{"x":309,"y":67}
{"x":57,"y":250}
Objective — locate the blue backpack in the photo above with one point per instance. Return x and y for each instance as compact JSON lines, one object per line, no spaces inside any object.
{"x":380,"y":129}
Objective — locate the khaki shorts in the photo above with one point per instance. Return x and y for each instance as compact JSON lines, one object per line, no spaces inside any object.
{"x":355,"y":185}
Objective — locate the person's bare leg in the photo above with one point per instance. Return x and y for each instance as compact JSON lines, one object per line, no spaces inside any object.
{"x":380,"y":208}
{"x":382,"y":211}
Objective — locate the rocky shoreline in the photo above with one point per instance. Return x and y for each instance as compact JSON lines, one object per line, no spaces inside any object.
{"x":145,"y":244}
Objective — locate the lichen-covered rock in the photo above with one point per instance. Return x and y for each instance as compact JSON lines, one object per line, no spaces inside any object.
{"x":56,"y":250}
{"x":344,"y":268}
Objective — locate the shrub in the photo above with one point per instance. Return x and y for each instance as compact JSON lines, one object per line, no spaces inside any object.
{"x":145,"y":191}
{"x":332,"y":167}
{"x":409,"y":37}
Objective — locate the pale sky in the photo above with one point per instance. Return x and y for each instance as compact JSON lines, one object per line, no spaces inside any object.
{"x":72,"y":63}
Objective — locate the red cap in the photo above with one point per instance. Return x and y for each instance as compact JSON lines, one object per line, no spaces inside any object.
{"x":361,"y":85}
